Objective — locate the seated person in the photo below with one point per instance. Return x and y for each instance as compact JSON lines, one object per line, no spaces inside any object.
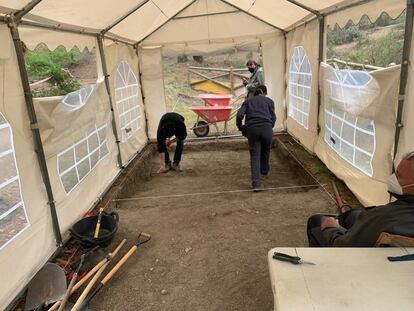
{"x":171,"y":124}
{"x":362,"y":227}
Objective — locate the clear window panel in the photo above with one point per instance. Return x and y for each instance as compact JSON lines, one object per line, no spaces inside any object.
{"x":83,"y":168}
{"x":66,"y":160}
{"x":9,"y":196}
{"x":81,"y":150}
{"x":69,"y":180}
{"x":8,"y":168}
{"x":93,"y":142}
{"x":5,"y":139}
{"x":12,"y":225}
{"x":126,"y":85}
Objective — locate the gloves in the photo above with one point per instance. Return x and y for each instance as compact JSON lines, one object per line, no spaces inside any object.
{"x":243,"y":130}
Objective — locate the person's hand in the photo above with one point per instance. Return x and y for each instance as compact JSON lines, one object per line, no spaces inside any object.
{"x":244,"y":81}
{"x":329,"y":222}
{"x":163,"y":169}
{"x":243,"y":130}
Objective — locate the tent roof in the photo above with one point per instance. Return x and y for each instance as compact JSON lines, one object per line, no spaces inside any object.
{"x":146,"y":16}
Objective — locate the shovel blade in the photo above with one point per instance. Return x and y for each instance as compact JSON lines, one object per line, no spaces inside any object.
{"x":47,"y":286}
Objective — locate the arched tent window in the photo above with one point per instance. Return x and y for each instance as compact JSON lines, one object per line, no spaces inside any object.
{"x":300,"y":82}
{"x":126,"y":97}
{"x":13,"y":217}
{"x":79,"y":98}
{"x":350,"y":135}
{"x":77,"y":161}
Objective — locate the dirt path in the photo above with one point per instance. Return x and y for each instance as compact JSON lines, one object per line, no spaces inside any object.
{"x":209,"y":251}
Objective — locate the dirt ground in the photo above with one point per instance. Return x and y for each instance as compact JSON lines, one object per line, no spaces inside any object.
{"x":208,"y":251}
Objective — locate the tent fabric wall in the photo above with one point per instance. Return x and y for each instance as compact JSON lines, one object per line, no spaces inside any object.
{"x":369,"y":190}
{"x":115,"y":54}
{"x":57,"y":136}
{"x":273,"y":52}
{"x":152,"y":87}
{"x":33,"y":36}
{"x":201,"y":28}
{"x":37,"y":241}
{"x":282,"y":14}
{"x":306,"y":36}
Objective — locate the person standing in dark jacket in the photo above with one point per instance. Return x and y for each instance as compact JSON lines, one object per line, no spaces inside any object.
{"x":260,"y":118}
{"x":362,"y":227}
{"x":171,"y":124}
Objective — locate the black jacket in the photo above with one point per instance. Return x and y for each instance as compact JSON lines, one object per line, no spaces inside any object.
{"x":259,"y":111}
{"x":171,"y":124}
{"x":396,"y":218}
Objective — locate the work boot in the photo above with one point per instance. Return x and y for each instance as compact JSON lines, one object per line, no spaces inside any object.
{"x":176,"y":167}
{"x":257,"y":188}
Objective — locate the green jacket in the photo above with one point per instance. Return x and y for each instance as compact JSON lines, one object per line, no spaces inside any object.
{"x":255,"y":80}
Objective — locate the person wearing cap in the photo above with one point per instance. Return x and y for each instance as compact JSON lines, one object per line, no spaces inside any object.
{"x":255,"y":80}
{"x":362,"y":227}
{"x":171,"y":124}
{"x":260,"y":118}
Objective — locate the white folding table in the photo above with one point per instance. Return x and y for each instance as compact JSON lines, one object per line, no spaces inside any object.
{"x":343,"y":279}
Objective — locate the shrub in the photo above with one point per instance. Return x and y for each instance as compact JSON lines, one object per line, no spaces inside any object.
{"x":42,"y":63}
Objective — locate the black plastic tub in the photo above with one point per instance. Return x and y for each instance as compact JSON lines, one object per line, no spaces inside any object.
{"x":84,"y":229}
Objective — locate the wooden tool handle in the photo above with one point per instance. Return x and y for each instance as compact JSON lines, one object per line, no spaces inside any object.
{"x":91,"y":273}
{"x":98,"y":266}
{"x":88,"y":288}
{"x":68,"y":291}
{"x":98,"y":224}
{"x":119,"y":265}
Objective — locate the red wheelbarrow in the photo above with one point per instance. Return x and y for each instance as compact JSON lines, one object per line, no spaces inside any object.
{"x":218,"y":109}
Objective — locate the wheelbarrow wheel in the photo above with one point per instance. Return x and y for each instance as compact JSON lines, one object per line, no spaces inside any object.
{"x":201,"y":129}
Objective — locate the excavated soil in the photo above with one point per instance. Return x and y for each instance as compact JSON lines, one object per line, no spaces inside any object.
{"x":208,"y":251}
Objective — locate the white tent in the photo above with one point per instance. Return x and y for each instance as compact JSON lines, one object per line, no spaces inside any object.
{"x":58,"y":155}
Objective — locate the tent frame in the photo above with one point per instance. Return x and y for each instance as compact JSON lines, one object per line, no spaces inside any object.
{"x":108,"y":91}
{"x":13,"y":22}
{"x":404,"y":73}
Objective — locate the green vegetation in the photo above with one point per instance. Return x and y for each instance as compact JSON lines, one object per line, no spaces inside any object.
{"x":379,"y":52}
{"x":42,"y":63}
{"x":379,"y":43}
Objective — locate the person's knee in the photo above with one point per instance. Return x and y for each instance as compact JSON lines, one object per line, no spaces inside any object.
{"x":315,"y":221}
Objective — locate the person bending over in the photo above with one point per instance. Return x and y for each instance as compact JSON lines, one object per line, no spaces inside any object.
{"x":171,"y":124}
{"x":362,"y":227}
{"x":260,"y":118}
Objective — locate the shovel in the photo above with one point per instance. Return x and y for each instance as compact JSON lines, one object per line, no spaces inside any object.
{"x":84,"y":299}
{"x":46,"y":287}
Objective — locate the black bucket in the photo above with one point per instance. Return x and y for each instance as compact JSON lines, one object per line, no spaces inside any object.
{"x":83,"y":231}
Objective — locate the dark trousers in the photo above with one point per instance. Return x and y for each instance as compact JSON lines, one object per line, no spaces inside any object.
{"x":315,"y":236}
{"x":177,"y":154}
{"x":260,"y":141}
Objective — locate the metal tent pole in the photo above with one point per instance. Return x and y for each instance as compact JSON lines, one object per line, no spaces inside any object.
{"x":188,"y":5}
{"x":108,"y":90}
{"x":320,"y":59}
{"x":305,"y":7}
{"x":404,"y":72}
{"x":34,"y":125}
{"x":252,"y":15}
{"x":19,"y":14}
{"x":79,"y":31}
